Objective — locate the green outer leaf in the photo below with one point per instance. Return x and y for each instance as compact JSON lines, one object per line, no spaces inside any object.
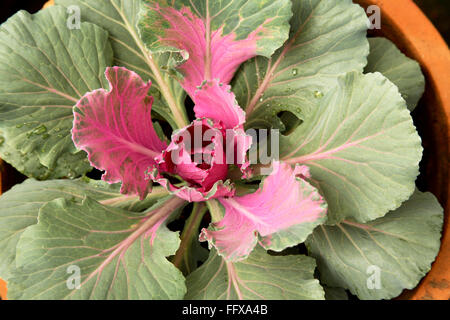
{"x":328,"y":39}
{"x":403,"y":244}
{"x":117,"y":258}
{"x":293,"y":236}
{"x":404,"y":72}
{"x":259,"y":277}
{"x":240,"y":17}
{"x":66,"y":165}
{"x":119,"y":18}
{"x":19,"y":208}
{"x":44,"y":69}
{"x":361,"y":146}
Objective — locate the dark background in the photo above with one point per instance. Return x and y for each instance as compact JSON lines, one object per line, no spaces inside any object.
{"x":437,"y":10}
{"x":9,"y":7}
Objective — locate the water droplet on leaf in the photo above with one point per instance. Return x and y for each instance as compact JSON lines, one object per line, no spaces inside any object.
{"x":40,"y":130}
{"x":318,"y":94}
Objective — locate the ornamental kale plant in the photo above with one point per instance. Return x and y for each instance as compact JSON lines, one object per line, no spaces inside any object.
{"x":173,"y":102}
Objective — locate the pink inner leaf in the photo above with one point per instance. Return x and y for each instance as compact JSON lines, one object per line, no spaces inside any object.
{"x":115,"y":128}
{"x":212,"y":55}
{"x":192,"y":193}
{"x":216,"y":102}
{"x":283,"y":201}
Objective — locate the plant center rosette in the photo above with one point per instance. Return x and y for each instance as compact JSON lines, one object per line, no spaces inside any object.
{"x":202,"y":168}
{"x":115,"y":127}
{"x":201,"y":153}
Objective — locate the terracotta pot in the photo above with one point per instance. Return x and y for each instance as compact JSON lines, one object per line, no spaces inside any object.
{"x":405,"y":24}
{"x":2,"y":290}
{"x":48,"y":4}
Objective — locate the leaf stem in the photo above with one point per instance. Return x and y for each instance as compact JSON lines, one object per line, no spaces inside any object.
{"x":180,"y":116}
{"x":157,"y":193}
{"x":181,"y":259}
{"x":214,"y":210}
